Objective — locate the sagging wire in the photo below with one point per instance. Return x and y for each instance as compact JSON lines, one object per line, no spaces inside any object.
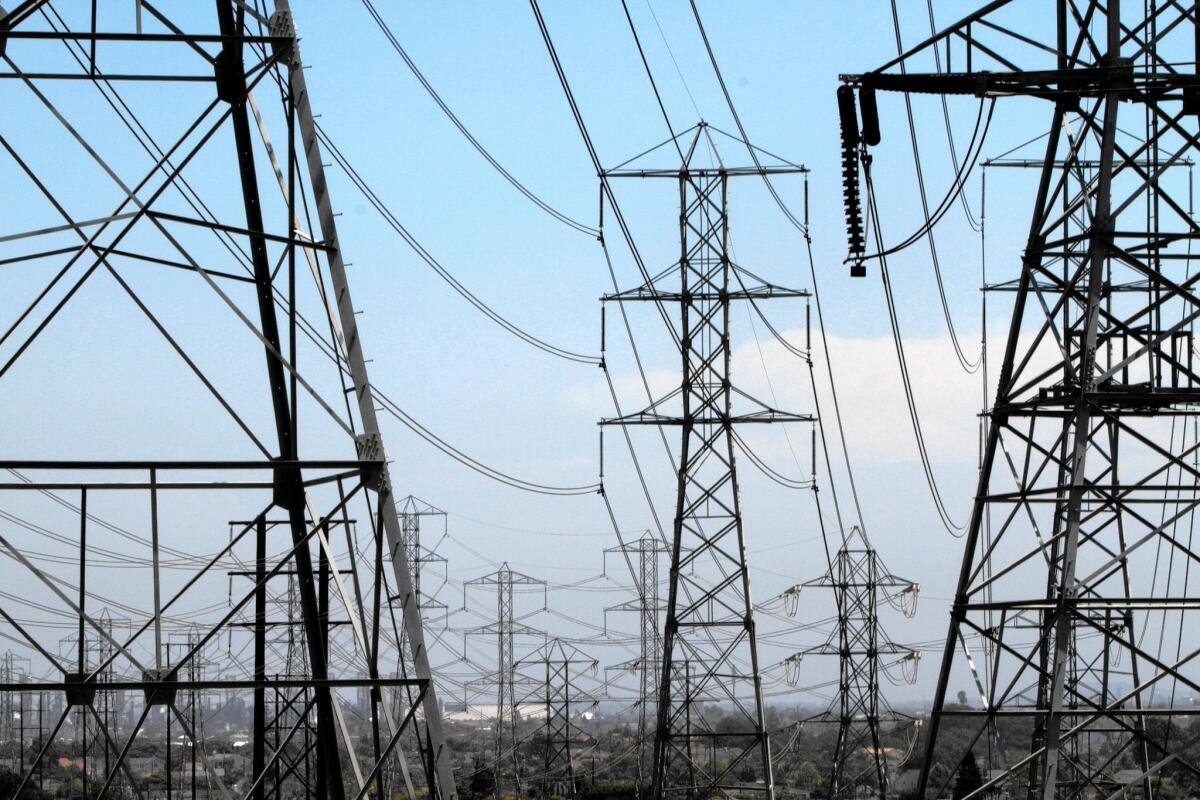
{"x":520,"y":187}
{"x":797,"y":224}
{"x":394,"y":223}
{"x":908,"y":665}
{"x":767,"y":470}
{"x":975,"y":224}
{"x":453,"y":452}
{"x":967,"y":365}
{"x":954,"y":529}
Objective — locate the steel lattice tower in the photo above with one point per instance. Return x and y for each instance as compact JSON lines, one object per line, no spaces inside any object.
{"x":647,"y":551}
{"x":860,"y":583}
{"x":192,"y":213}
{"x":505,"y":629}
{"x":412,"y":511}
{"x":709,"y":618}
{"x":560,"y":697}
{"x":1081,"y":488}
{"x":14,"y":669}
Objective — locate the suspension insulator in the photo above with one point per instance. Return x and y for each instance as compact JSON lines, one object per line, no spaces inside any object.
{"x":870,"y":116}
{"x":848,"y":115}
{"x":850,"y":195}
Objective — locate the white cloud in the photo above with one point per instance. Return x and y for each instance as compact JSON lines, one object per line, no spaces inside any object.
{"x":869,"y":391}
{"x":871,"y":395}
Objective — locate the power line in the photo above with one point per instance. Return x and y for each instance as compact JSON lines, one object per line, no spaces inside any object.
{"x":391,"y":219}
{"x":468,"y":461}
{"x":968,"y":366}
{"x":520,"y":187}
{"x":953,"y":528}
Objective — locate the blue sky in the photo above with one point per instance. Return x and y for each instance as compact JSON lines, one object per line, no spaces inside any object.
{"x":535,"y":416}
{"x":516,"y":407}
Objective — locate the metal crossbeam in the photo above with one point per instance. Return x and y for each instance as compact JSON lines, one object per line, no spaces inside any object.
{"x":709,"y":646}
{"x":1077,"y":543}
{"x":237,"y":245}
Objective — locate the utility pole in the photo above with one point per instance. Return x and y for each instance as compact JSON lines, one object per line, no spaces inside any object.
{"x":505,"y":629}
{"x":1078,"y":539}
{"x":563,"y":666}
{"x":643,"y":556}
{"x":198,"y":228}
{"x":860,"y":582}
{"x":709,"y":616}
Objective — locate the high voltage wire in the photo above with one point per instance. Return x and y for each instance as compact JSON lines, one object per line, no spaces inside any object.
{"x":605,"y":187}
{"x":974,"y":148}
{"x":803,"y":229}
{"x":483,"y":469}
{"x":556,"y":351}
{"x":968,"y":366}
{"x":976,"y":225}
{"x":135,"y":126}
{"x":393,"y":408}
{"x":953,"y":528}
{"x":367,"y":192}
{"x":558,"y":215}
{"x":963,"y":171}
{"x":738,"y":121}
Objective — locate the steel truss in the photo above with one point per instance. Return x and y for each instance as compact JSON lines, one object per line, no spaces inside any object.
{"x":200,"y":218}
{"x":560,"y":699}
{"x":709,"y":651}
{"x":506,"y":748}
{"x":860,"y":582}
{"x":413,"y":511}
{"x":1078,"y":542}
{"x":649,"y":607}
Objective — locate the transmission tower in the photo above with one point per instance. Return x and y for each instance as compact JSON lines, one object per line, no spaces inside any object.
{"x":1078,"y":540}
{"x":15,"y":705}
{"x":562,"y":666}
{"x":643,"y":557}
{"x":709,"y":617}
{"x":412,"y":512}
{"x":505,"y":629}
{"x":136,"y":163}
{"x":860,"y":582}
{"x":188,"y":775}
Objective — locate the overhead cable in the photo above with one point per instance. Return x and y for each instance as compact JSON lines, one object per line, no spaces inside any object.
{"x":967,"y":364}
{"x":520,"y":187}
{"x":953,"y":528}
{"x":416,"y":427}
{"x":391,"y":219}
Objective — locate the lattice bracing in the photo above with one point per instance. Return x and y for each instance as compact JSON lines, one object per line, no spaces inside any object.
{"x":1078,"y":548}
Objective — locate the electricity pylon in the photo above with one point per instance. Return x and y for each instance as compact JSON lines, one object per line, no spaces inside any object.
{"x":560,"y":697}
{"x":240,"y":386}
{"x":413,"y":513}
{"x":709,"y":618}
{"x":860,"y":582}
{"x":649,"y":607}
{"x":1078,"y":541}
{"x":17,"y":708}
{"x":506,"y":628}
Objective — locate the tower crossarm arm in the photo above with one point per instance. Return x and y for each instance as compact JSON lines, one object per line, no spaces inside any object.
{"x":1066,"y":85}
{"x":764,"y":416}
{"x":496,"y":629}
{"x":765,"y":291}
